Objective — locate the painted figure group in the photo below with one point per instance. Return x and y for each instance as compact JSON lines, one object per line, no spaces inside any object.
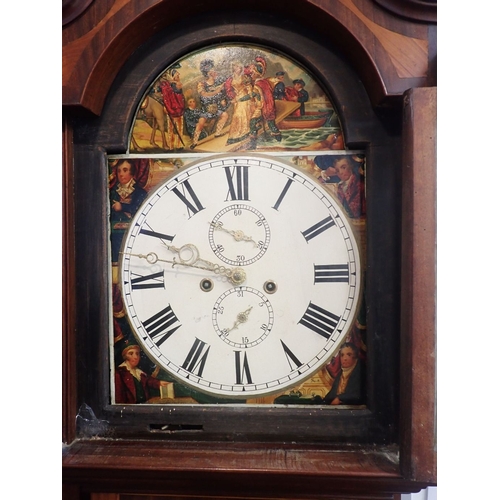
{"x":296,"y":93}
{"x":243,"y":100}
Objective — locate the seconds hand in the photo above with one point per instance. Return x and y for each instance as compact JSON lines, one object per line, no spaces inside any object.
{"x":237,"y":234}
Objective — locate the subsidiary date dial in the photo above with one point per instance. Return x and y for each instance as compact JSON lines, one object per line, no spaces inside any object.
{"x":243,"y":317}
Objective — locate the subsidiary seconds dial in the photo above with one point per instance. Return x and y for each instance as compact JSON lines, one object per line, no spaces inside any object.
{"x":243,"y":224}
{"x":240,"y":276}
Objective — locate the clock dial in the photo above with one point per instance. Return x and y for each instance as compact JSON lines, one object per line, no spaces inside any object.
{"x":240,"y":276}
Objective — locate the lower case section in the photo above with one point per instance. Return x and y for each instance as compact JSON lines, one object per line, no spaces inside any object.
{"x":142,"y":470}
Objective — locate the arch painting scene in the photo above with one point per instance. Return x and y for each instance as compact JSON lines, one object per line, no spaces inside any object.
{"x":235,"y":98}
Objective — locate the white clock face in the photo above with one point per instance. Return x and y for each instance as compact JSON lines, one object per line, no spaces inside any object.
{"x":240,"y":276}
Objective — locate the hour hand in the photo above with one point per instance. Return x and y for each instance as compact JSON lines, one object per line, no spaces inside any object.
{"x":237,"y":234}
{"x":189,"y":256}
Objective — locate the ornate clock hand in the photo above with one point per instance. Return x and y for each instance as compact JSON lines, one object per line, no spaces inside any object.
{"x":241,"y":317}
{"x":189,"y":256}
{"x":237,"y":234}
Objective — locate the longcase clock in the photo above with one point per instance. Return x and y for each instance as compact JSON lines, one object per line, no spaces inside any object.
{"x":241,"y":236}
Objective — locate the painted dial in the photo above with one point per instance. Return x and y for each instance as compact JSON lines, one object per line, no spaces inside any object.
{"x":301,"y":287}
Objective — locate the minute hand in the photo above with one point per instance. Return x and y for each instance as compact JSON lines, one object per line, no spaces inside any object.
{"x":189,"y":256}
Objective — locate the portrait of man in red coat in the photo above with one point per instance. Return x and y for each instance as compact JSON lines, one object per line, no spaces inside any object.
{"x":132,"y":385}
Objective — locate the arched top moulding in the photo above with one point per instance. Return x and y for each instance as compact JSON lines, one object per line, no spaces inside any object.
{"x":389,"y":55}
{"x":331,"y":84}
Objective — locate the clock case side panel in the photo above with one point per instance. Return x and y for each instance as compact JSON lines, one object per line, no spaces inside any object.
{"x":92,"y":285}
{"x":376,"y":132}
{"x":418,"y":324}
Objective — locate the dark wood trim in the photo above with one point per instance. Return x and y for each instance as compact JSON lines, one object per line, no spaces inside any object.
{"x":71,"y":491}
{"x":125,"y":496}
{"x":69,"y":387}
{"x":71,"y":9}
{"x":415,"y":10}
{"x":109,"y":496}
{"x":418,"y":287}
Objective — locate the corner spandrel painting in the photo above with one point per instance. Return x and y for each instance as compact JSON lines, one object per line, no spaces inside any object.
{"x":233,"y":98}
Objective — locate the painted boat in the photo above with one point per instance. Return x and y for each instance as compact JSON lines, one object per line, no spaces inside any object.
{"x":312,"y":119}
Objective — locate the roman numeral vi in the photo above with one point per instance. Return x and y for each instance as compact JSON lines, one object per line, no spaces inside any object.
{"x":242,"y":369}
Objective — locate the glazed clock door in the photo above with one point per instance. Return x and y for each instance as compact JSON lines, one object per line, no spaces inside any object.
{"x":235,"y":247}
{"x":238,"y":271}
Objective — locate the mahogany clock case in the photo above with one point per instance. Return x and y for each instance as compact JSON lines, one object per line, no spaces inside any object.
{"x":377,"y":131}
